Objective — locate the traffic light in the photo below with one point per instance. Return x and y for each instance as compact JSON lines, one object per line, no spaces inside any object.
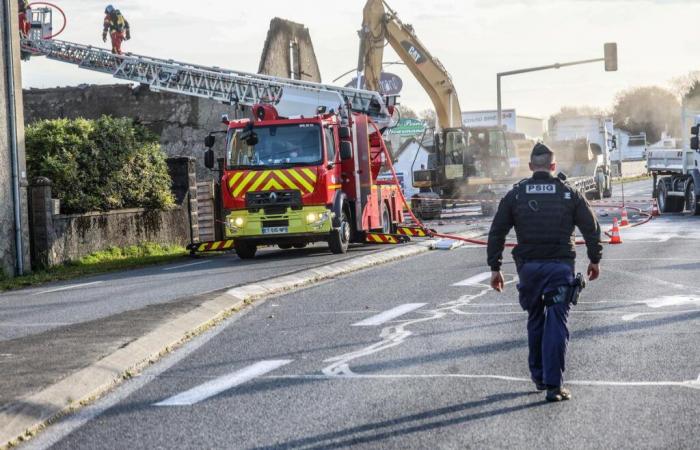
{"x":610,"y":57}
{"x":695,"y":137}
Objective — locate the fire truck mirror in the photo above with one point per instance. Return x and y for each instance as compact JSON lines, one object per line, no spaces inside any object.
{"x":344,"y":133}
{"x":345,"y":150}
{"x":209,"y":141}
{"x":209,"y":159}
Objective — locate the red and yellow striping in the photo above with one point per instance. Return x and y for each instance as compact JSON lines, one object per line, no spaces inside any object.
{"x":303,"y":180}
{"x":215,"y":246}
{"x":411,"y":231}
{"x":381,"y":238}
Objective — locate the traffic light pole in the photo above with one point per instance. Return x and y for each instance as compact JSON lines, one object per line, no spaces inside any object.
{"x":532,"y":69}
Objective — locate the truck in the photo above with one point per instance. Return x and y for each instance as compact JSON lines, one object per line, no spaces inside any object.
{"x":676,"y":176}
{"x":290,"y":181}
{"x":583,"y":145}
{"x":302,"y":167}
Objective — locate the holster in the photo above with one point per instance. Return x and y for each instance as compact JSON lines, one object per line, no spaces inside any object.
{"x":566,"y":294}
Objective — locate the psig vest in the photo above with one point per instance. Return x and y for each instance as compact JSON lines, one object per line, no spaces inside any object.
{"x":544,"y":213}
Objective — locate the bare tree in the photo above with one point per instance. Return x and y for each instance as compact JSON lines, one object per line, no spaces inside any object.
{"x":406,"y":112}
{"x":649,"y":109}
{"x":429,"y":117}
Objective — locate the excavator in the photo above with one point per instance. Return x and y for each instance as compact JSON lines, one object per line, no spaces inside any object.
{"x":466,"y":163}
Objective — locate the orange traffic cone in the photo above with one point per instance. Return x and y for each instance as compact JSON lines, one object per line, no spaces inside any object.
{"x":655,"y":210}
{"x":624,"y":222}
{"x":615,"y":233}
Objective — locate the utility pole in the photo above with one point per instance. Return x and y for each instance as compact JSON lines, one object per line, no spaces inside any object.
{"x":610,"y":59}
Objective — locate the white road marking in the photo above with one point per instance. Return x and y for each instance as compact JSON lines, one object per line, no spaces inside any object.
{"x":629,"y":317}
{"x":475,"y":280}
{"x":672,"y":300}
{"x":388,"y":315}
{"x":66,"y":288}
{"x":221,"y":384}
{"x":692,"y":384}
{"x":187,"y":265}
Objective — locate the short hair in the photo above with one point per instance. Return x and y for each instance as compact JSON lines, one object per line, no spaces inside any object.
{"x":542,"y":161}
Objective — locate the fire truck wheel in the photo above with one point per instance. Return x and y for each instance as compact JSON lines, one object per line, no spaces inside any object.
{"x":245,"y":250}
{"x":285,"y":246}
{"x":339,"y":239}
{"x":386,"y":221}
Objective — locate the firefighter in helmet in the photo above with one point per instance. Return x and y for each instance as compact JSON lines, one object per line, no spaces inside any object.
{"x":24,"y":11}
{"x":118,"y":28}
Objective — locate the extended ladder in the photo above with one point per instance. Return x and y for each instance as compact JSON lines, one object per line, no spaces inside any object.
{"x":291,"y":97}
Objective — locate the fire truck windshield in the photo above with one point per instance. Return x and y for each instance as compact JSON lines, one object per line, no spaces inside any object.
{"x":277,"y":146}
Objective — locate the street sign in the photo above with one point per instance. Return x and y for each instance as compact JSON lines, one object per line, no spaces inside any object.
{"x":389,"y":84}
{"x":408,"y":127}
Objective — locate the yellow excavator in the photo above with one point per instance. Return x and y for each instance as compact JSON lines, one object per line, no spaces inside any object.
{"x":466,"y":163}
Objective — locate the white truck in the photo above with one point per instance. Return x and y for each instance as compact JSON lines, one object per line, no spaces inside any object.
{"x":583,"y":145}
{"x":676,"y":175}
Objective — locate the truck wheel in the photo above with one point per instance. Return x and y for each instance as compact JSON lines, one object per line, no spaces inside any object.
{"x":668,"y":204}
{"x":386,"y":220}
{"x":692,"y":200}
{"x":245,"y":250}
{"x":285,"y":246}
{"x":339,"y":239}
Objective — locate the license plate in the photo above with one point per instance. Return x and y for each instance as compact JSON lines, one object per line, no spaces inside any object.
{"x":275,"y":230}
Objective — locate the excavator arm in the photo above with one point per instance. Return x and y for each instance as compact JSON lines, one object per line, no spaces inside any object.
{"x":378,"y":26}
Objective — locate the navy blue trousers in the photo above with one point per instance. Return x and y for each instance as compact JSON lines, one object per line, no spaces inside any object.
{"x":547,"y":328}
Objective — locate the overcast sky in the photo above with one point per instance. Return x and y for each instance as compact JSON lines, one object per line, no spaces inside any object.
{"x":658,"y":40}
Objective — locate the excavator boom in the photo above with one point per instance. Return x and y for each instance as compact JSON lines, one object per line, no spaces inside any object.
{"x":380,"y":25}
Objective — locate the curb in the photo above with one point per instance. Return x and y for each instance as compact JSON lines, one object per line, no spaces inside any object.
{"x":23,"y":418}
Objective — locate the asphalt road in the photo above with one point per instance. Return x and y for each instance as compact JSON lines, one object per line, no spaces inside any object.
{"x":421,"y":354}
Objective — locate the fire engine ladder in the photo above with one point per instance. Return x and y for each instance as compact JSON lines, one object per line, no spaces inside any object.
{"x":226,"y":86}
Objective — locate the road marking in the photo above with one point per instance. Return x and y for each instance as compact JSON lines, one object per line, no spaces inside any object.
{"x":475,"y":280}
{"x":221,"y":384}
{"x":66,"y":288}
{"x":630,"y":317}
{"x":692,"y":384}
{"x":388,"y":315}
{"x":187,"y":265}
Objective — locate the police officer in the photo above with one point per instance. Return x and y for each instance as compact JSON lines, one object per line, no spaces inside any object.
{"x":544,"y":211}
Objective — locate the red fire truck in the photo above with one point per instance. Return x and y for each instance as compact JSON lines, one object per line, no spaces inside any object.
{"x":290,"y":181}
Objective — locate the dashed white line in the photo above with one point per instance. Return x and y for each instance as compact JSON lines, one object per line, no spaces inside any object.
{"x":475,"y":280}
{"x":221,"y":384}
{"x":388,"y":315}
{"x":186,"y":265}
{"x":66,"y":288}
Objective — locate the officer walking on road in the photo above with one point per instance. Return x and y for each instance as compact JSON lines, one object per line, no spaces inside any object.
{"x":544,"y":211}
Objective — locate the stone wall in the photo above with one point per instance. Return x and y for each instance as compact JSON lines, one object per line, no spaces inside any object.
{"x":58,"y":238}
{"x":182,"y":122}
{"x":8,"y":260}
{"x":275,"y":58}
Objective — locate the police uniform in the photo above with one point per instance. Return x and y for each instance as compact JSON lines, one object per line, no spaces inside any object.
{"x":544,"y":211}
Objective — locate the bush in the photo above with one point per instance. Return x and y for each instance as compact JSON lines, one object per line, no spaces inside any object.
{"x":99,"y":165}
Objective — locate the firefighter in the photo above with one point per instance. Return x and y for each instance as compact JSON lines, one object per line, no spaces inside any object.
{"x":544,"y":211}
{"x":118,"y":29}
{"x":24,"y":11}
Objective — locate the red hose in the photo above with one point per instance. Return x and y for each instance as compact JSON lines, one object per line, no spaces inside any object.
{"x":65,"y":20}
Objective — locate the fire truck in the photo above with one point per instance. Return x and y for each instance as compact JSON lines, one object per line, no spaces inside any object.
{"x":302,"y":168}
{"x":290,"y":181}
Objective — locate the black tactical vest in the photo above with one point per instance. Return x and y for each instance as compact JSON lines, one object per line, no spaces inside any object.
{"x":544,"y":219}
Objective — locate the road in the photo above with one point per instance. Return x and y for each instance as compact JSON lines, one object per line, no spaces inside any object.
{"x":422,"y":354}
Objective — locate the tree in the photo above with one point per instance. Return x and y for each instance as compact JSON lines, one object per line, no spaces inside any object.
{"x":688,"y":87}
{"x":429,"y":117}
{"x":406,"y":112}
{"x":649,"y":109}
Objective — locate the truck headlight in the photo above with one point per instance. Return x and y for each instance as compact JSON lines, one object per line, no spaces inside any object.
{"x":236,"y":222}
{"x":316,"y":218}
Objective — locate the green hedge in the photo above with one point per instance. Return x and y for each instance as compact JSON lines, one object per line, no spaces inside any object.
{"x":99,"y":165}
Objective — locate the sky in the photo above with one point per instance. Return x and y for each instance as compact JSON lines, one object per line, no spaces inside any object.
{"x":474,"y":39}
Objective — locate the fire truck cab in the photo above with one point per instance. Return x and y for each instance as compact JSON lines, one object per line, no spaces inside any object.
{"x":290,"y":181}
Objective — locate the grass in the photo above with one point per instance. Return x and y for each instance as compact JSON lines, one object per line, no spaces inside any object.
{"x":109,"y":260}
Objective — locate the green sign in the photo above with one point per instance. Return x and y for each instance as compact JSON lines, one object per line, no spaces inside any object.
{"x":408,"y":127}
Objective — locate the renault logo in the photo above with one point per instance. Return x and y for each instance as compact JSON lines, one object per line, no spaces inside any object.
{"x":273,"y":197}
